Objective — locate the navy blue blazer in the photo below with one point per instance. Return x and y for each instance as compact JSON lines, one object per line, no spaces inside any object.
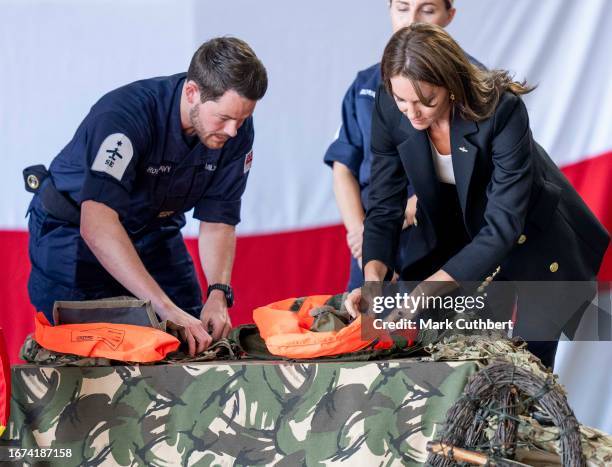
{"x":520,"y":211}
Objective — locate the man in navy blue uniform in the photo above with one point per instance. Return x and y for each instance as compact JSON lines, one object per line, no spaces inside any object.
{"x":350,"y":154}
{"x":106,"y":219}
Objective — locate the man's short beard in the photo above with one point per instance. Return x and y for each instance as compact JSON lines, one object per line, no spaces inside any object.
{"x":194,"y":118}
{"x":203,"y":135}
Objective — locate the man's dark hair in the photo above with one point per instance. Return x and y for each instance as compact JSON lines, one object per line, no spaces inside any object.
{"x":227,"y":63}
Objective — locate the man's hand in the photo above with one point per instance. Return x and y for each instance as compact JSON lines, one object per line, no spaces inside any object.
{"x":410,"y":213}
{"x":354,"y":240}
{"x":214,"y":316}
{"x":193,"y":330}
{"x":217,"y":244}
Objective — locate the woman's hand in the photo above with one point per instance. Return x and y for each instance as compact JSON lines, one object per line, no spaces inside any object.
{"x":410,"y":213}
{"x":441,"y":276}
{"x":352,"y":302}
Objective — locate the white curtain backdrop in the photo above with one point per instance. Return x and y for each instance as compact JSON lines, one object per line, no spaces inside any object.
{"x":57,"y":57}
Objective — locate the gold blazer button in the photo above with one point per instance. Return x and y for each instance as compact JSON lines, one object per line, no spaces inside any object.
{"x":522,"y":239}
{"x":554,"y":267}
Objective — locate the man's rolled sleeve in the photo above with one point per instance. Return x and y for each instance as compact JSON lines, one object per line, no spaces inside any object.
{"x":216,"y":210}
{"x":222,"y":200}
{"x":221,"y":203}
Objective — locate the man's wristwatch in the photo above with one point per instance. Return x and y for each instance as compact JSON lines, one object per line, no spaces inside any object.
{"x":226,"y":289}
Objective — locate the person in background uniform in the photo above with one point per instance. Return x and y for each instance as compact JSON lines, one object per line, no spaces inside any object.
{"x":490,"y":200}
{"x":106,"y":220}
{"x":350,"y":155}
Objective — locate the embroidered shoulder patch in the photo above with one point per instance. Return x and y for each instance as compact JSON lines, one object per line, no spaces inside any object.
{"x":114,"y":155}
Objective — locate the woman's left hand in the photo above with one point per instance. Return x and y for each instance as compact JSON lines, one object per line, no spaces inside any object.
{"x":440,"y":276}
{"x":352,"y":302}
{"x":410,"y":213}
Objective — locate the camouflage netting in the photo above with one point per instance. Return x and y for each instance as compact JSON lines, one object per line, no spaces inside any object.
{"x":497,"y":414}
{"x":483,"y":350}
{"x":596,"y":445}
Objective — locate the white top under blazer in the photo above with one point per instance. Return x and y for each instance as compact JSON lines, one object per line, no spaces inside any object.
{"x":443,"y":164}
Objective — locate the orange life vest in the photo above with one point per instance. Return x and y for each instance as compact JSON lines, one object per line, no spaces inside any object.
{"x":287,"y":333}
{"x":125,"y":342}
{"x":5,"y":384}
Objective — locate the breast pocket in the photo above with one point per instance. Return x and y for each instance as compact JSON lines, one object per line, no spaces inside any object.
{"x":179,"y":191}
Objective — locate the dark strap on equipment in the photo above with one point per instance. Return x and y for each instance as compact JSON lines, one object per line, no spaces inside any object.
{"x":57,"y":204}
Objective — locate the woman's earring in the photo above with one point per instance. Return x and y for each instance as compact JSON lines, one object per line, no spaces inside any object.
{"x":452,"y":97}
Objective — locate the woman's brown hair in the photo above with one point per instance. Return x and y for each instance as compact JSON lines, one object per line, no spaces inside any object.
{"x":426,"y":52}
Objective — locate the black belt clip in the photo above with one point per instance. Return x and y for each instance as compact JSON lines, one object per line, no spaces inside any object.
{"x":33,"y":177}
{"x":55,"y":203}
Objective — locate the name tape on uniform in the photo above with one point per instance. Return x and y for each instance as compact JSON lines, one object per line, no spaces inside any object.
{"x":114,"y":155}
{"x":367,"y":92}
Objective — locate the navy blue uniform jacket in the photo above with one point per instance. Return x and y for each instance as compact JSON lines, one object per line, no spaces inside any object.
{"x":131,"y":154}
{"x":520,"y":212}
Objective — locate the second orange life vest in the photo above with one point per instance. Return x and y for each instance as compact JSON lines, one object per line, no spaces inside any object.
{"x":288,"y":333}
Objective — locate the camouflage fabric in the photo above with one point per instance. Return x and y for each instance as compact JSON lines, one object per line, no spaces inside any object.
{"x":236,"y":413}
{"x":347,"y":409}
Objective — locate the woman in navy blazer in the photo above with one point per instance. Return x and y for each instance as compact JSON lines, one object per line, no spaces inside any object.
{"x":491,"y":203}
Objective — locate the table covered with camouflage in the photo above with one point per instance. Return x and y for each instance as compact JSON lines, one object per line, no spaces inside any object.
{"x":236,"y":412}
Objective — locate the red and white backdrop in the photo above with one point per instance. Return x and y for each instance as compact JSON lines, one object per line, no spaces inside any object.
{"x":58,"y":56}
